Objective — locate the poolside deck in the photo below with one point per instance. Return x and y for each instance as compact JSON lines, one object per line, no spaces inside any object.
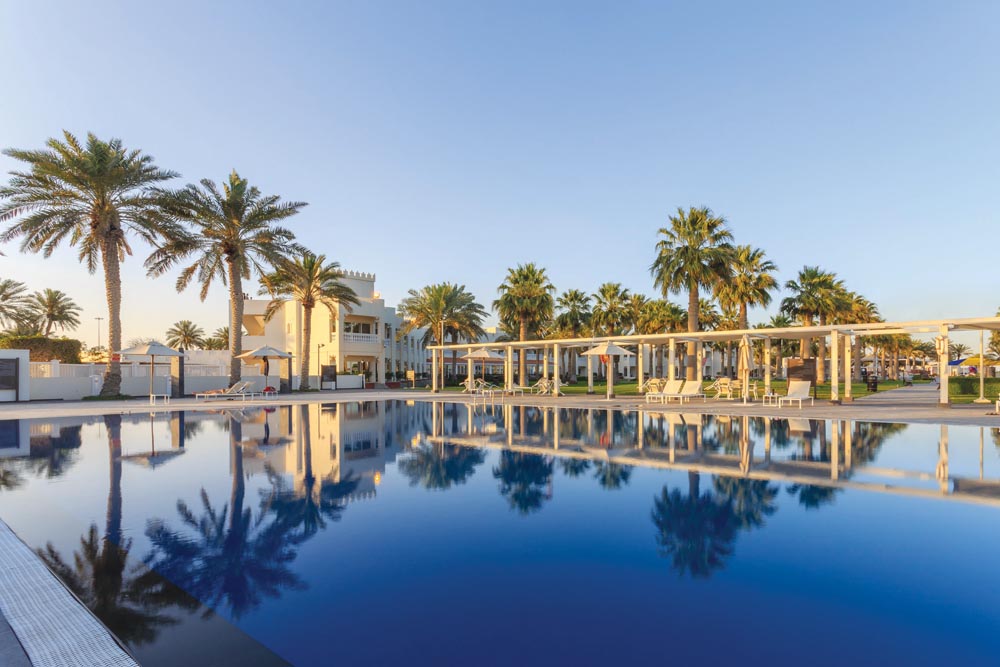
{"x":916,"y":404}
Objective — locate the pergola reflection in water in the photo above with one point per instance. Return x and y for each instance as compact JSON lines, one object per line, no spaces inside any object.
{"x":738,"y":446}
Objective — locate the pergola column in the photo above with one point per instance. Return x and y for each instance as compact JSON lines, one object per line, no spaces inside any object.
{"x":941,"y":342}
{"x":545,"y":362}
{"x":767,"y":365}
{"x":835,"y":367}
{"x":508,"y":367}
{"x":555,"y":369}
{"x":470,"y":374}
{"x":848,"y":353}
{"x":672,"y":360}
{"x":434,"y":372}
{"x":590,"y":374}
{"x":640,"y":366}
{"x":699,"y":359}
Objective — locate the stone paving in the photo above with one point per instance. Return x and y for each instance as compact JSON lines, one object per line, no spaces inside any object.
{"x":916,"y":404}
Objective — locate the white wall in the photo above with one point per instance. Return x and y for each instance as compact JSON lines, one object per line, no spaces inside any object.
{"x":24,"y":376}
{"x":64,"y":388}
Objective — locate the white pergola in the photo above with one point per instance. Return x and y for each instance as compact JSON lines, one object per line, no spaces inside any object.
{"x":838,"y":334}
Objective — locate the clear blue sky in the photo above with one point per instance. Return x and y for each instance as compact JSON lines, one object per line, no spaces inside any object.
{"x":449,"y":140}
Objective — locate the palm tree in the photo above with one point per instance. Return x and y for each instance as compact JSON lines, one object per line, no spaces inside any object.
{"x":815,"y":294}
{"x":442,"y":309}
{"x":525,"y":304}
{"x":693,"y":253}
{"x":611,"y":314}
{"x":310,"y":281}
{"x":751,"y":282}
{"x":235,"y":234}
{"x":185,"y":335}
{"x":14,"y":302}
{"x":958,"y":351}
{"x":219,"y":340}
{"x":52,"y":308}
{"x":94,"y":196}
{"x":858,"y":310}
{"x":573,"y":318}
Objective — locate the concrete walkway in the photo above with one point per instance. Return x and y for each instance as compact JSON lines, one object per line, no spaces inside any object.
{"x":916,"y":404}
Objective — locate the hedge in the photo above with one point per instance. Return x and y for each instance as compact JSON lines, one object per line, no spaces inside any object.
{"x":969,"y":386}
{"x":66,"y":350}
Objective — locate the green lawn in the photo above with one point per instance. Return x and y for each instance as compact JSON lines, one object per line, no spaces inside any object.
{"x":779,"y":386}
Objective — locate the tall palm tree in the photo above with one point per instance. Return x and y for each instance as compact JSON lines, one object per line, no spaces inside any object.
{"x":815,"y":293}
{"x":751,"y":282}
{"x":611,"y":309}
{"x":94,"y":195}
{"x":694,"y":252}
{"x":442,"y":309}
{"x":310,"y":281}
{"x":14,"y":302}
{"x":236,"y":233}
{"x":52,"y":308}
{"x":958,"y":351}
{"x":635,"y":312}
{"x":185,"y":335}
{"x":525,"y":304}
{"x":574,"y":318}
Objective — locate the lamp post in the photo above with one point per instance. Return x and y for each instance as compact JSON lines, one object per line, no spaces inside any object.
{"x":319,"y":365}
{"x":982,"y":368}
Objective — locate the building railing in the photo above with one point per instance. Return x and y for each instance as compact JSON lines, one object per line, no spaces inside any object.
{"x":50,"y":369}
{"x":361,"y":338}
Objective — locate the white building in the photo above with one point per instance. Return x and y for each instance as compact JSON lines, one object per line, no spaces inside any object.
{"x":361,"y":341}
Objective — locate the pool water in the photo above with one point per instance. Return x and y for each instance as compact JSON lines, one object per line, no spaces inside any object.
{"x":436,"y":533}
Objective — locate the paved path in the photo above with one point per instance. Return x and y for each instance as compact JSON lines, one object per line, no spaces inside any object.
{"x":916,"y":404}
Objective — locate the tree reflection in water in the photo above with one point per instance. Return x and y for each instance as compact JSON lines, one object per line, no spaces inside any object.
{"x":574,"y":467}
{"x":440,"y":466}
{"x":525,"y":480}
{"x":695,"y":530}
{"x":128,"y":599}
{"x":227,"y":557}
{"x":612,"y":475}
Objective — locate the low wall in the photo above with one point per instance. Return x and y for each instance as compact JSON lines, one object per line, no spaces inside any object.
{"x":350,"y":382}
{"x":66,"y":389}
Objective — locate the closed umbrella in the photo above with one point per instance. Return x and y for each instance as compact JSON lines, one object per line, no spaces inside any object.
{"x":744,"y":364}
{"x":151,"y":350}
{"x":611,"y":351}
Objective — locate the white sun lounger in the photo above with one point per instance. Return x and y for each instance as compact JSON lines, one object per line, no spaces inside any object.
{"x":238,"y":390}
{"x":692,"y":389}
{"x":670,"y":388}
{"x":798,"y":390}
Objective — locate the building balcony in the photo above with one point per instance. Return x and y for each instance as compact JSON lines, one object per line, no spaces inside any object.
{"x":363,"y":339}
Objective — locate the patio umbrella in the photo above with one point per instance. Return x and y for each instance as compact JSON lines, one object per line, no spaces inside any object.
{"x":744,"y":364}
{"x":266,"y":353}
{"x":151,"y":350}
{"x":611,"y":351}
{"x":483,"y":355}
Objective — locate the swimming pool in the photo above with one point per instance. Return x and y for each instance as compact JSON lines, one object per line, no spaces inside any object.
{"x":436,"y":533}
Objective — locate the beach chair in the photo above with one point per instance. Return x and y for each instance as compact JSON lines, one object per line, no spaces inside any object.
{"x":669,"y":388}
{"x":723,"y":388}
{"x":468,"y":386}
{"x":798,"y":390}
{"x":691,"y":389}
{"x":230,"y":392}
{"x":543,"y":386}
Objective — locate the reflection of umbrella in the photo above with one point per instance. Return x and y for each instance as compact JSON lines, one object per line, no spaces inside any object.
{"x":483,"y":355}
{"x":151,"y":350}
{"x":266,"y":353}
{"x":609,"y":350}
{"x":152,"y":458}
{"x":744,"y":364}
{"x":746,"y":447}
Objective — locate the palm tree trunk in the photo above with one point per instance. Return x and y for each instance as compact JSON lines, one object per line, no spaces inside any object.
{"x":307,"y":316}
{"x":237,"y":488}
{"x":744,"y":316}
{"x":235,"y":322}
{"x":113,"y":290}
{"x":856,"y":353}
{"x":454,"y":355}
{"x":692,"y":350}
{"x":522,"y":365}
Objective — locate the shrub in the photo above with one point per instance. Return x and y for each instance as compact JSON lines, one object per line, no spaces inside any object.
{"x":66,"y":350}
{"x":969,"y":386}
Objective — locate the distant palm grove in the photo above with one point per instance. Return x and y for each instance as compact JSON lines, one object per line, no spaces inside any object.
{"x":99,"y":197}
